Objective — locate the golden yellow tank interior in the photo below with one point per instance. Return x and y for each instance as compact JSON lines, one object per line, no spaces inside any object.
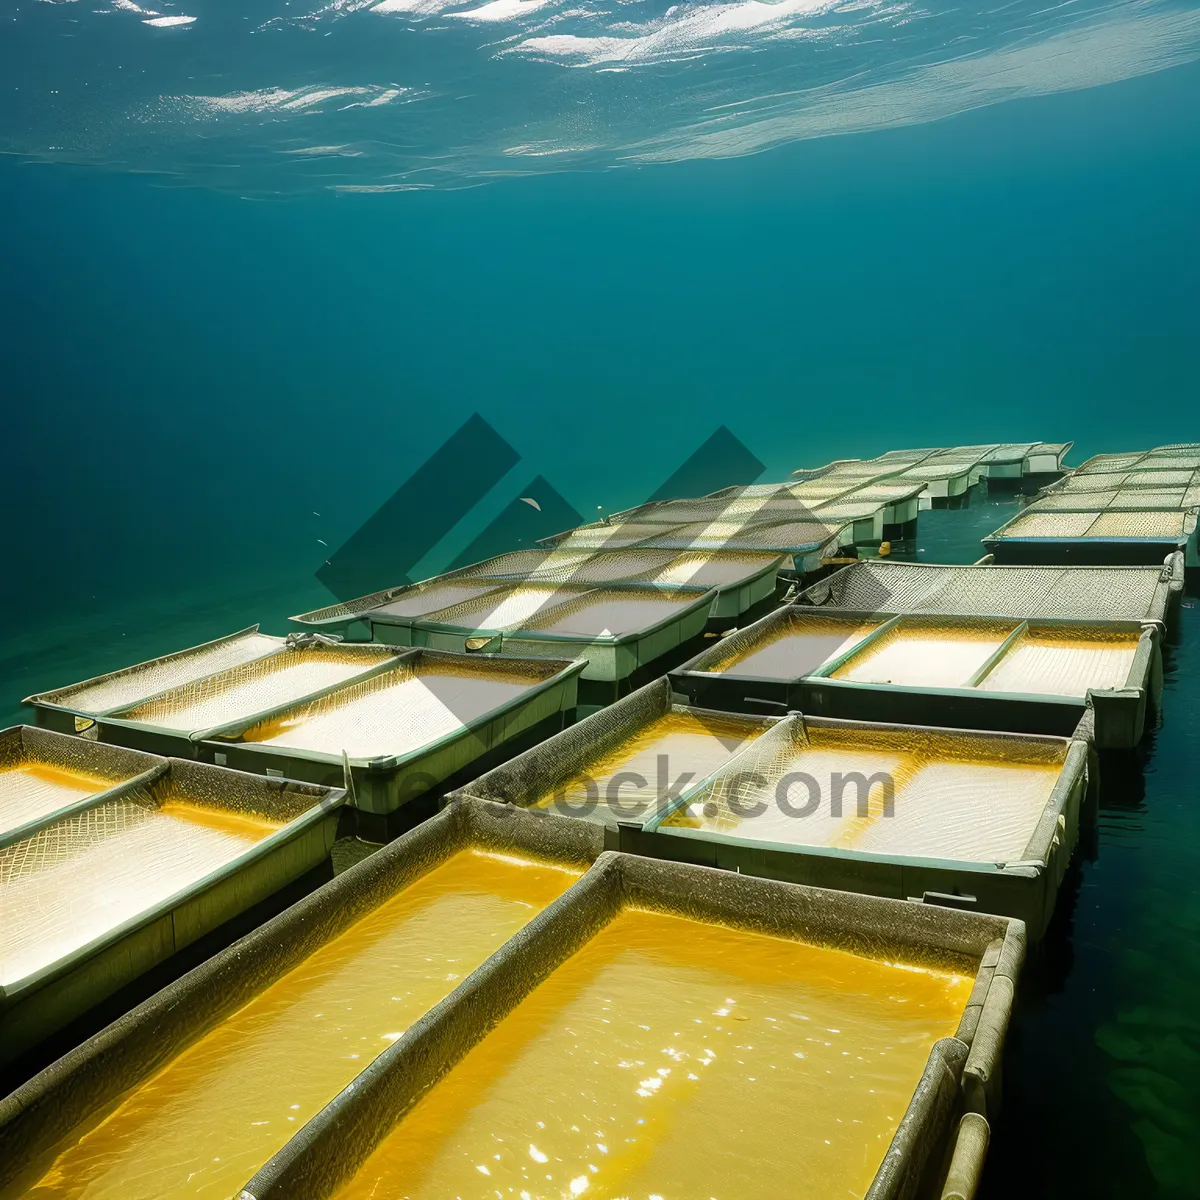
{"x":77,"y":879}
{"x":256,"y":687}
{"x":686,"y":744}
{"x":926,"y":655}
{"x":795,"y":648}
{"x":217,"y":1111}
{"x":31,"y":790}
{"x":975,"y":799}
{"x":394,"y":713}
{"x":1063,"y":661}
{"x":675,"y":1059}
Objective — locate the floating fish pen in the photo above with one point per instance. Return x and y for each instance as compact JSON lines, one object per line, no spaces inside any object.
{"x":618,"y":630}
{"x":741,"y":578}
{"x":804,"y":543}
{"x":624,"y":762}
{"x":1142,"y":535}
{"x":44,"y":776}
{"x":1031,"y":676}
{"x":662,"y":1001}
{"x":608,"y":535}
{"x":740,"y":509}
{"x":985,"y":589}
{"x":1165,"y":458}
{"x":762,"y":668}
{"x":945,"y":477}
{"x":502,"y":605}
{"x":194,"y":1090}
{"x":406,"y":729}
{"x":176,"y":721}
{"x":395,"y":610}
{"x":111,"y":888}
{"x":71,"y":709}
{"x":892,"y":810}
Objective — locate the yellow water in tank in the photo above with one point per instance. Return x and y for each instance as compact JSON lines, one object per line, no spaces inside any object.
{"x":217,"y":1111}
{"x":31,"y":790}
{"x":674,"y":1059}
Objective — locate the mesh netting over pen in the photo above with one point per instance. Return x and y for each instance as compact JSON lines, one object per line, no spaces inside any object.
{"x":785,"y":538}
{"x":589,"y":770}
{"x":1159,"y":524}
{"x":84,"y":875}
{"x":136,"y":683}
{"x":257,"y":687}
{"x":42,"y":772}
{"x":609,"y":612}
{"x":787,"y":644}
{"x":1114,"y":593}
{"x":402,"y":710}
{"x":886,"y":790}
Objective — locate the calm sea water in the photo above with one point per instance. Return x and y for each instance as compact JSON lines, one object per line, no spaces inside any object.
{"x":218,"y":356}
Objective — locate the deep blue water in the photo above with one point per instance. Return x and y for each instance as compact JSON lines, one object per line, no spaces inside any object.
{"x":189,"y":374}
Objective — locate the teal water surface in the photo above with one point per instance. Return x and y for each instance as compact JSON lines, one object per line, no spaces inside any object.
{"x":206,"y":390}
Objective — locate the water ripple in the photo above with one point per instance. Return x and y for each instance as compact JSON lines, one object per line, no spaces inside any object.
{"x":277,"y":97}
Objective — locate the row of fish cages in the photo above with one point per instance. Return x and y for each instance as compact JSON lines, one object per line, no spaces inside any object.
{"x":387,"y":724}
{"x":1115,"y":508}
{"x":679,"y":855}
{"x":495,"y":1002}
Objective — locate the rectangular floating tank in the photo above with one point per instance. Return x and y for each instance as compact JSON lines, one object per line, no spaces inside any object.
{"x":1034,"y":676}
{"x":108,"y":890}
{"x":1148,"y":593}
{"x":70,"y":709}
{"x":893,"y":810}
{"x":43,"y":775}
{"x":175,"y":721}
{"x":622,"y":762}
{"x":199,"y":1086}
{"x":683,"y":972}
{"x":407,"y":729}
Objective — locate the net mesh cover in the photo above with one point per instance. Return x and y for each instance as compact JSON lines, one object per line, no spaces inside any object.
{"x":602,"y":566}
{"x":786,"y":648}
{"x":1033,"y":524}
{"x":611,"y":537}
{"x":1140,"y":525}
{"x":778,"y":506}
{"x":401,"y":711}
{"x":610,"y":613}
{"x":83,"y":876}
{"x":136,"y":683}
{"x":426,"y":598}
{"x":649,"y":764}
{"x":785,"y":538}
{"x":507,"y":607}
{"x":1145,"y":498}
{"x":1114,"y":593}
{"x":1101,"y":481}
{"x":1109,"y":463}
{"x":924,"y":654}
{"x":1061,"y":661}
{"x":901,"y":791}
{"x":714,"y":568}
{"x":33,"y":789}
{"x":257,"y":687}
